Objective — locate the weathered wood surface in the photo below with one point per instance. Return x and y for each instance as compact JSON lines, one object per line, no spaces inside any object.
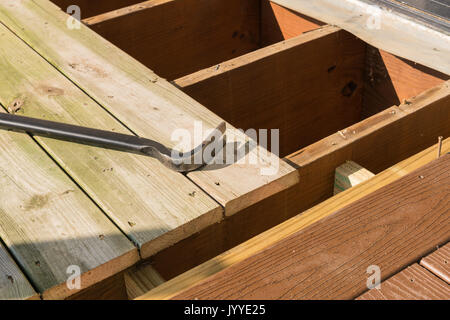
{"x":136,"y":192}
{"x":376,"y":143}
{"x":390,"y":228}
{"x":13,"y":283}
{"x":145,"y":103}
{"x":308,"y":87}
{"x":382,"y":29}
{"x":178,"y":37}
{"x":238,"y":254}
{"x":49,"y":224}
{"x":413,"y":283}
{"x":438,"y":263}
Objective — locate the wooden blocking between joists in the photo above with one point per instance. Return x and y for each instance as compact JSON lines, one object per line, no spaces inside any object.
{"x":348,"y":175}
{"x":141,"y":279}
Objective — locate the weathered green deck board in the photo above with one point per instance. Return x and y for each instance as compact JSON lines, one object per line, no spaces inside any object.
{"x":147,"y":104}
{"x":13,"y":284}
{"x":136,"y":192}
{"x":49,"y":224}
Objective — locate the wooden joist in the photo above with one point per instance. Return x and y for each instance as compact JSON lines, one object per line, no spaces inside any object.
{"x":178,"y":37}
{"x":329,"y":259}
{"x":382,"y":28}
{"x":308,"y":87}
{"x":141,"y":279}
{"x":286,"y":229}
{"x":348,"y":175}
{"x":13,"y":284}
{"x":123,"y":86}
{"x":413,"y":283}
{"x":136,"y":192}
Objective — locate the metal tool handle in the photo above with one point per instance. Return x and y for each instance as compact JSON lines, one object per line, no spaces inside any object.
{"x":110,"y":140}
{"x":79,"y":134}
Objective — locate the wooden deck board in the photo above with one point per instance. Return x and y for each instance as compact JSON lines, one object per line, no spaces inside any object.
{"x":438,"y":263}
{"x":413,"y":283}
{"x":49,"y":224}
{"x":136,"y":192}
{"x":147,"y":104}
{"x":255,"y":245}
{"x":329,"y":260}
{"x":13,"y":284}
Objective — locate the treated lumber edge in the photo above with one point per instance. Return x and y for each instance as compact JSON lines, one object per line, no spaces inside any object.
{"x":254,"y":56}
{"x":103,"y":71}
{"x":13,"y":283}
{"x":196,"y":275}
{"x":131,"y":9}
{"x":381,"y":28}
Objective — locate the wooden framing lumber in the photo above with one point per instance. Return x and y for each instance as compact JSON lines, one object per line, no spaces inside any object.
{"x":375,"y":143}
{"x":308,"y":87}
{"x":437,"y":263}
{"x":177,"y":37}
{"x":136,"y":192}
{"x":329,"y":259}
{"x":279,"y":23}
{"x":257,"y":244}
{"x":49,"y":224}
{"x":413,"y":283}
{"x":145,"y":103}
{"x":382,"y":28}
{"x":91,"y":8}
{"x":13,"y":283}
{"x":141,"y":279}
{"x":348,"y":175}
{"x":390,"y":80}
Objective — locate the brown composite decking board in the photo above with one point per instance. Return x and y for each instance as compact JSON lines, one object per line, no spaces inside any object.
{"x":438,"y":263}
{"x":329,"y":260}
{"x":413,"y":283}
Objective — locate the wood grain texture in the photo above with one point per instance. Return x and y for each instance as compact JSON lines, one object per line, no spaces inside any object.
{"x":141,"y":279}
{"x":392,"y":80}
{"x":376,"y":143}
{"x":49,"y":224}
{"x":177,"y":37}
{"x":413,"y":283}
{"x":329,"y":259}
{"x":91,"y":8}
{"x":13,"y":283}
{"x":383,"y":29}
{"x":264,"y":240}
{"x":148,"y":105}
{"x":348,"y":175}
{"x":308,"y":87}
{"x":279,"y":23}
{"x":136,"y":192}
{"x":438,"y":263}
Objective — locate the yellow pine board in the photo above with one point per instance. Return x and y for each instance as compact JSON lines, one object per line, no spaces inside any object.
{"x":137,"y":192}
{"x":249,"y":248}
{"x":147,"y":104}
{"x":49,"y":224}
{"x":13,"y":284}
